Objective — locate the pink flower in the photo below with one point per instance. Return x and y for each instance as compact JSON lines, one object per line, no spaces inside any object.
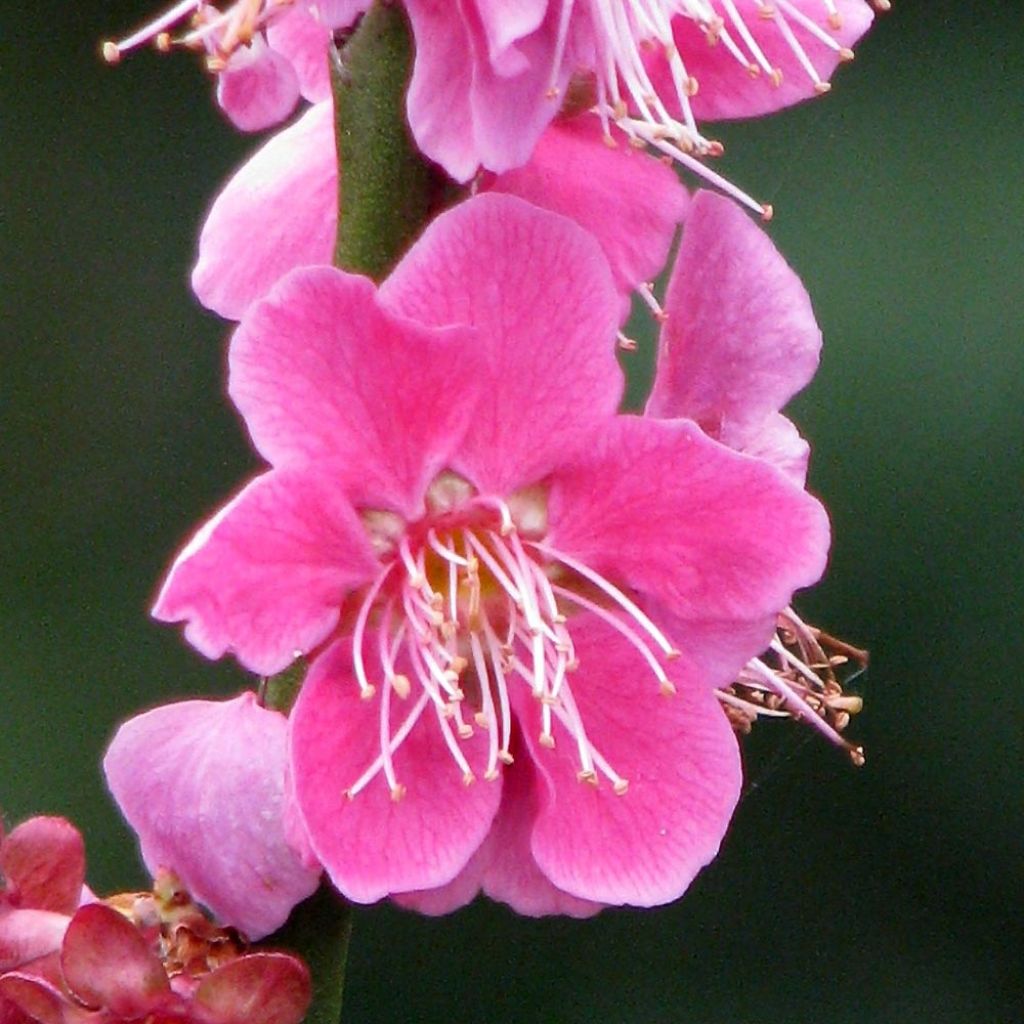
{"x":500,"y":581}
{"x":488,"y":75}
{"x":109,"y":972}
{"x":265,"y":53}
{"x":628,"y":201}
{"x":202,"y":784}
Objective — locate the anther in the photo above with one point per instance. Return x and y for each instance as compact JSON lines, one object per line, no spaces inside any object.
{"x":111,"y":52}
{"x":465,"y":731}
{"x":505,"y":757}
{"x":468,"y":778}
{"x":163,"y":42}
{"x":846,"y":54}
{"x":367,"y":692}
{"x":776,"y":77}
{"x":834,"y":21}
{"x":767,"y":212}
{"x":401,"y":685}
{"x":587,"y":776}
{"x":620,"y":786}
{"x":397,"y":792}
{"x":547,"y":740}
{"x":481,"y":720}
{"x":491,"y":774}
{"x":822,"y":87}
{"x":667,"y":688}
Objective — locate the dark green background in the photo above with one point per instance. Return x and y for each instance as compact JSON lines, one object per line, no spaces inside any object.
{"x":888,"y":895}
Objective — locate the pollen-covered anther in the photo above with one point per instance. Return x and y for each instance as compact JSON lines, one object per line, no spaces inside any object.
{"x":546,"y":740}
{"x":846,"y":54}
{"x":397,"y":792}
{"x":468,"y":778}
{"x":505,"y":757}
{"x":822,"y":87}
{"x":589,"y":776}
{"x":776,"y":77}
{"x":401,"y":685}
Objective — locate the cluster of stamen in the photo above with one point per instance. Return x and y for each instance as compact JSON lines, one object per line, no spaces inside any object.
{"x":218,"y":32}
{"x":799,"y":677}
{"x":468,"y":604}
{"x":626,"y":96}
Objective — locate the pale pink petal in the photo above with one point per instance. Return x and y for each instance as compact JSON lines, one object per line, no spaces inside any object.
{"x":507,"y":23}
{"x":303,"y":38}
{"x":26,"y":934}
{"x":107,"y":963}
{"x":726,"y":88}
{"x":43,"y":863}
{"x":741,"y":338}
{"x":265,"y":577}
{"x":290,"y":189}
{"x":370,"y":844}
{"x":258,"y":988}
{"x":660,"y":507}
{"x":777,"y":441}
{"x":444,"y":899}
{"x":629,"y":201}
{"x":320,"y":371}
{"x":679,"y":756}
{"x":258,"y":88}
{"x":541,"y":295}
{"x":202,"y":783}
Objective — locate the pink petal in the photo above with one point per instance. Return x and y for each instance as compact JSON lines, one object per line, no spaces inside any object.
{"x":27,"y":934}
{"x":202,"y":783}
{"x":266,"y":576}
{"x":540,"y":293}
{"x":679,"y":756}
{"x":258,"y":88}
{"x":321,"y":371}
{"x":303,"y":38}
{"x":258,"y":988}
{"x":43,"y":862}
{"x":658,"y":506}
{"x":741,"y":338}
{"x":370,"y":844}
{"x":290,"y":189}
{"x":630,"y":202}
{"x":108,"y":964}
{"x":777,"y":441}
{"x":37,"y":998}
{"x":726,"y":88}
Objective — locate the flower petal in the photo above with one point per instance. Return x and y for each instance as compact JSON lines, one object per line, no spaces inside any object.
{"x":321,"y":371}
{"x":540,"y":293}
{"x":629,"y":201}
{"x":370,"y":844}
{"x":258,"y":88}
{"x":659,"y":506}
{"x":266,"y":576}
{"x":258,"y":988}
{"x":202,"y":783}
{"x":289,"y":187}
{"x":679,"y":756}
{"x":37,"y":998}
{"x":779,"y":442}
{"x":43,"y":862}
{"x":107,"y":964}
{"x":27,"y":934}
{"x":741,"y":338}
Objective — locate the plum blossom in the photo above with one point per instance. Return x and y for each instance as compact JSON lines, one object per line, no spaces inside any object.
{"x":152,"y":961}
{"x":631,"y":204}
{"x":265,"y":53}
{"x":517,"y":603}
{"x":213,"y":769}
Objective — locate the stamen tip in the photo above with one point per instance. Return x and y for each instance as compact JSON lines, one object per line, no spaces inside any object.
{"x":505,"y":757}
{"x":397,"y":792}
{"x":767,"y":212}
{"x":667,"y":688}
{"x":552,"y":93}
{"x":587,"y":776}
{"x":835,"y":22}
{"x":547,"y":740}
{"x":163,"y":42}
{"x":822,"y":87}
{"x":468,"y":778}
{"x":465,"y":731}
{"x":110,"y":52}
{"x":673,"y":654}
{"x":401,"y":685}
{"x":857,"y":756}
{"x":776,"y":78}
{"x":481,"y":719}
{"x":491,"y":774}
{"x":367,"y":692}
{"x":621,"y":787}
{"x":846,"y":54}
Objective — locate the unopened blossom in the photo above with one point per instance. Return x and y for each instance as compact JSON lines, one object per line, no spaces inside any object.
{"x":265,"y":53}
{"x":115,"y":968}
{"x":629,"y":202}
{"x":213,"y":770}
{"x":516,"y":602}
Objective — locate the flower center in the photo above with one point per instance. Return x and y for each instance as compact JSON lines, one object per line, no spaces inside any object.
{"x":471,"y":601}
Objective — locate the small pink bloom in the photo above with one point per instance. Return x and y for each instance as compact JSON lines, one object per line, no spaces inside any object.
{"x":109,"y":972}
{"x":202,"y":783}
{"x":492,"y":572}
{"x":628,"y":201}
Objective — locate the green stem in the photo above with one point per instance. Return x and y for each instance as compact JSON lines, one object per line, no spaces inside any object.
{"x":386,"y":190}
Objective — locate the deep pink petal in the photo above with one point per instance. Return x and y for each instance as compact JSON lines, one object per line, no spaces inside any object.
{"x":741,"y":338}
{"x":290,"y":189}
{"x":726,"y":88}
{"x":370,"y":844}
{"x":321,"y":371}
{"x":27,"y":934}
{"x":107,"y":963}
{"x":303,"y":38}
{"x":541,"y":295}
{"x":43,"y":863}
{"x":682,"y":764}
{"x":37,"y":998}
{"x":202,"y":783}
{"x":258,"y":88}
{"x":660,"y":507}
{"x":629,"y":201}
{"x":258,"y":988}
{"x":266,"y":576}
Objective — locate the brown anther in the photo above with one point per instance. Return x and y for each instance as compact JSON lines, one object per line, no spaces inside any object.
{"x":401,"y":685}
{"x":547,"y":740}
{"x":846,"y":54}
{"x":505,"y":757}
{"x":397,"y":792}
{"x":589,"y":777}
{"x":491,"y":774}
{"x":835,"y":22}
{"x":368,"y":693}
{"x":776,"y":77}
{"x":468,"y":778}
{"x":465,"y":731}
{"x":163,"y":42}
{"x":110,"y":52}
{"x":620,"y":787}
{"x":822,"y":87}
{"x":481,"y":720}
{"x":668,"y":688}
{"x":692,"y":87}
{"x":767,"y":212}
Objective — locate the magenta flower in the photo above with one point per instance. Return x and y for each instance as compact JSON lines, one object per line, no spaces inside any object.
{"x":500,"y":581}
{"x":109,"y":973}
{"x":488,"y":76}
{"x":208,"y":807}
{"x":631,"y":203}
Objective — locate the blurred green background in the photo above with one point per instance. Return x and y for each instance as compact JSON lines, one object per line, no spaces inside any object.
{"x":891,"y":894}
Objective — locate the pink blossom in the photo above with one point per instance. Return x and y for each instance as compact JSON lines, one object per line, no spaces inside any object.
{"x":517,"y":602}
{"x":628,"y":201}
{"x":488,"y":75}
{"x":202,"y":783}
{"x":109,"y":972}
